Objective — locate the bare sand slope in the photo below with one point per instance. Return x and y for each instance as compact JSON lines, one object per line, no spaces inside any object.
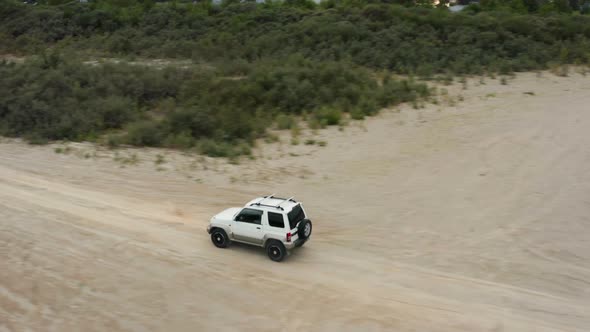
{"x":474,"y":217}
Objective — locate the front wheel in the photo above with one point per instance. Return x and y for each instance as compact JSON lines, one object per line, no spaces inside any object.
{"x":276,"y":251}
{"x":219,"y":238}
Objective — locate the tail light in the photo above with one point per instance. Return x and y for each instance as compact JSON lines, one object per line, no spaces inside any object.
{"x":289,"y":237}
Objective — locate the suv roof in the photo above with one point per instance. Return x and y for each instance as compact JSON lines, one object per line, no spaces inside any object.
{"x":273,"y":204}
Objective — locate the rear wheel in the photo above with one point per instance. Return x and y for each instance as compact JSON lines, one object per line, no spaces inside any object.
{"x":219,"y":238}
{"x":276,"y":250}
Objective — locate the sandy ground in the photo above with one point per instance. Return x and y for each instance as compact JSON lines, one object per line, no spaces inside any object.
{"x":470,"y":217}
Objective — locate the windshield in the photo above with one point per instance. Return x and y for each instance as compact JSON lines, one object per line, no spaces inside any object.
{"x":296,"y":215}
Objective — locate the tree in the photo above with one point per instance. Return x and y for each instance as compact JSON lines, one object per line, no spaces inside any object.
{"x":574,"y":4}
{"x":531,"y":5}
{"x":562,"y":6}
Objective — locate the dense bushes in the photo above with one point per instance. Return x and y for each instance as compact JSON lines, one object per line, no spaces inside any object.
{"x":405,"y":40}
{"x":255,"y":65}
{"x":53,"y":98}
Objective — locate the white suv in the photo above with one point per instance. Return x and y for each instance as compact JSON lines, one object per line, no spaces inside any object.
{"x":276,"y":224}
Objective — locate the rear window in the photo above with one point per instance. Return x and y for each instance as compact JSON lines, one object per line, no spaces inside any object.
{"x":296,"y":215}
{"x":276,"y":220}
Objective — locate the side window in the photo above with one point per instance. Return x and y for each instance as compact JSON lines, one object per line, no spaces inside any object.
{"x":250,"y":216}
{"x":276,"y":220}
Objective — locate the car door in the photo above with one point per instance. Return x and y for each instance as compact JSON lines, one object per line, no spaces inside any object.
{"x":248,"y":226}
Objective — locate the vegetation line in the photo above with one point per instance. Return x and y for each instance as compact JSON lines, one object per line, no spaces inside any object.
{"x":254,"y":66}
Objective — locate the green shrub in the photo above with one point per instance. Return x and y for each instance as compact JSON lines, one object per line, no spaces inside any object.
{"x":113,"y":141}
{"x":182,"y":140}
{"x":328,"y":116}
{"x":223,"y":149}
{"x":357,"y":114}
{"x":247,"y":75}
{"x":60,"y":98}
{"x":420,"y":41}
{"x":144,"y":133}
{"x":115,"y":111}
{"x":285,"y":121}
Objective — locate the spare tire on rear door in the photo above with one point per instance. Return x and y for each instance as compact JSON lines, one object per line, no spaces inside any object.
{"x":304,"y":229}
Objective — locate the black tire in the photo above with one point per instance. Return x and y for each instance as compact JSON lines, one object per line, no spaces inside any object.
{"x":304,"y":229}
{"x":219,"y":238}
{"x":275,"y":250}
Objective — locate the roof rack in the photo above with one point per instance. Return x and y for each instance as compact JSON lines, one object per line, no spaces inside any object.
{"x":265,"y":197}
{"x":285,"y":200}
{"x":278,"y":206}
{"x":273,"y":206}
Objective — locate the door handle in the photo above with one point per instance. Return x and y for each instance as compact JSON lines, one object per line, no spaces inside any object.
{"x":257,"y":227}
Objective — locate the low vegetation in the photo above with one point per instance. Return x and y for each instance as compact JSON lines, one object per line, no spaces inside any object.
{"x":498,"y":35}
{"x":254,"y":66}
{"x":54,"y":98}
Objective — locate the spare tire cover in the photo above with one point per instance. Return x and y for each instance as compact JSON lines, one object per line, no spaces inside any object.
{"x":304,"y":229}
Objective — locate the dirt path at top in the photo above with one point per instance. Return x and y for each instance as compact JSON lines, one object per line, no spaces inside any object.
{"x":473,"y":217}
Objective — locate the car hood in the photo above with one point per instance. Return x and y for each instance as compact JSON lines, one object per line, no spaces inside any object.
{"x":227,"y":214}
